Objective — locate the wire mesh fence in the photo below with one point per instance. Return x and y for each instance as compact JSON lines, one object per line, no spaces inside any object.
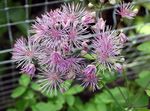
{"x":29,"y":9}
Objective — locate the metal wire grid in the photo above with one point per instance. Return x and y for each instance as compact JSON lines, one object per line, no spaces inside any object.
{"x":8,"y":81}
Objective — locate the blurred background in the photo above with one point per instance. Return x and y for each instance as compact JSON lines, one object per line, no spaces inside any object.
{"x":16,"y":17}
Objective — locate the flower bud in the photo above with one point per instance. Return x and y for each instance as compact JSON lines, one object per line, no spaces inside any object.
{"x":123,"y":37}
{"x":119,"y":67}
{"x":29,"y":69}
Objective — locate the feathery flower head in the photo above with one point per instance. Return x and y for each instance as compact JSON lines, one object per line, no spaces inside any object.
{"x":74,"y":64}
{"x":107,"y":47}
{"x":66,"y":47}
{"x":48,"y":29}
{"x":25,"y":51}
{"x":126,"y":10}
{"x":41,"y":27}
{"x":56,"y":57}
{"x":54,"y":61}
{"x":75,"y":33}
{"x":29,"y":69}
{"x":89,"y":78}
{"x":50,"y":81}
{"x":73,"y":12}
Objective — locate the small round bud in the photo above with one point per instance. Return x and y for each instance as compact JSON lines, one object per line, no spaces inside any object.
{"x":90,"y":5}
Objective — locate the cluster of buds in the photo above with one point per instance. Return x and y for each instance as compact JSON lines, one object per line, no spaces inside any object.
{"x":53,"y":53}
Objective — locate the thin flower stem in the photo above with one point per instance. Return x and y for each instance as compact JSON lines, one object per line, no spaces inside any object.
{"x":119,"y":91}
{"x":107,"y":89}
{"x":126,"y":84}
{"x":111,"y":93}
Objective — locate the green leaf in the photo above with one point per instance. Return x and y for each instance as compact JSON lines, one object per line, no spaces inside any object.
{"x":29,"y":95}
{"x":34,"y":108}
{"x":71,"y":109}
{"x":78,"y":104}
{"x":18,"y":92}
{"x":22,"y":105}
{"x":144,"y":29}
{"x":147,"y":92}
{"x":140,"y":101}
{"x":74,"y":90}
{"x":70,"y":100}
{"x":49,"y":106}
{"x":144,"y":47}
{"x":24,"y":80}
{"x":35,"y":86}
{"x":143,"y":79}
{"x":105,"y":97}
{"x":59,"y":101}
{"x":100,"y":105}
{"x":90,"y":107}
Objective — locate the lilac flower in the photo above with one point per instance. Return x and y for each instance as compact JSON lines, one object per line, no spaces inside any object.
{"x":108,"y":48}
{"x":48,"y":29}
{"x":126,"y":11}
{"x":25,"y":51}
{"x":51,"y":82}
{"x":75,"y":33}
{"x":118,"y":67}
{"x":29,"y":69}
{"x":62,"y":29}
{"x":73,"y":12}
{"x":90,"y":69}
{"x":55,"y":17}
{"x":89,"y":77}
{"x":74,"y":66}
{"x":70,"y":66}
{"x":53,"y":61}
{"x":41,"y":27}
{"x":54,"y":37}
{"x":56,"y":62}
{"x":66,"y":47}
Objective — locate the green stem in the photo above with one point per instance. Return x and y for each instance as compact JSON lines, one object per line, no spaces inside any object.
{"x":126,"y":84}
{"x":121,"y":92}
{"x":107,"y":89}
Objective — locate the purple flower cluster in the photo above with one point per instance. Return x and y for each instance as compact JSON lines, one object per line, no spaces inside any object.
{"x":54,"y":51}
